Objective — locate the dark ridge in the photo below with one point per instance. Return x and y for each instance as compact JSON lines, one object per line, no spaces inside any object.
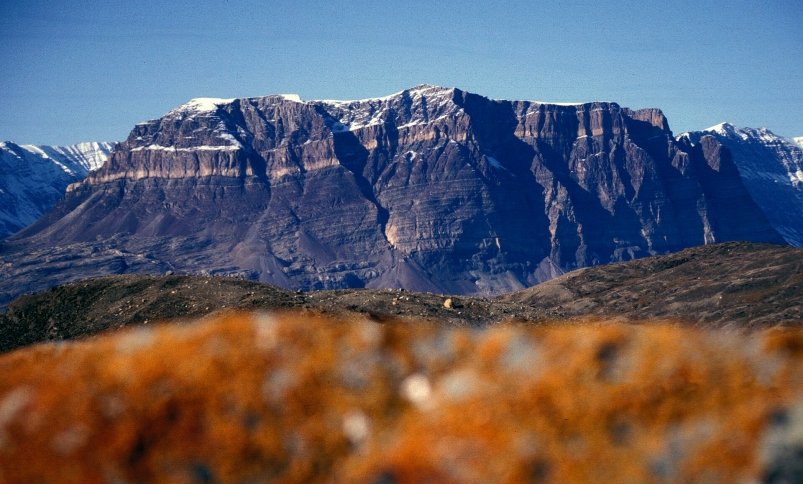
{"x":739,"y":285}
{"x":735,"y":284}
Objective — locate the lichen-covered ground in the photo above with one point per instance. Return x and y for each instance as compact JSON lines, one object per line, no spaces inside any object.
{"x":248,"y":397}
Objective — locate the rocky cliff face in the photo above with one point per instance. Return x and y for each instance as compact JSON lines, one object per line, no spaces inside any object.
{"x":430,"y":189}
{"x":33,"y":178}
{"x":771,"y":168}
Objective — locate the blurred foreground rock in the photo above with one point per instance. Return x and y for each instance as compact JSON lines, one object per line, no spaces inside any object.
{"x":292,"y":398}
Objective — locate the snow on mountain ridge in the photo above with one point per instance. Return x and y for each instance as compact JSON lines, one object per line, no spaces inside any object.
{"x":423,"y":103}
{"x":202,"y":104}
{"x":434,"y":95}
{"x":788,"y":150}
{"x":422,"y":89}
{"x":764,"y":134}
{"x":36,"y":176}
{"x":87,"y":155}
{"x":351,"y":115}
{"x":771,"y":168}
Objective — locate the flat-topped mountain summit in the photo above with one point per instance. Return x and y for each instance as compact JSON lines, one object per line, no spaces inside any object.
{"x":431,"y":189}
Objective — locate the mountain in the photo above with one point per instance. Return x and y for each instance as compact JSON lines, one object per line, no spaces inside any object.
{"x":33,"y":178}
{"x":771,"y":167}
{"x":798,"y":140}
{"x":431,"y":189}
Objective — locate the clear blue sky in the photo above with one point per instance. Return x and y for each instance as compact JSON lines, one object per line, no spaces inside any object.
{"x":80,"y":70}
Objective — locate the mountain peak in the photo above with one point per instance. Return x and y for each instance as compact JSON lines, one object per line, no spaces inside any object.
{"x":723,"y":128}
{"x":429,"y":88}
{"x":291,"y":97}
{"x":771,"y":167}
{"x":201,"y":105}
{"x":763,"y":135}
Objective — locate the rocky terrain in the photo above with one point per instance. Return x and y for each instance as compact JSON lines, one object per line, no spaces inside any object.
{"x":733,"y":285}
{"x":296,"y":398}
{"x":430,"y":189}
{"x":33,"y":178}
{"x":89,"y":307}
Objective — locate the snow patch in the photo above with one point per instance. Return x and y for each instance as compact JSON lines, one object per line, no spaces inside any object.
{"x":230,"y":138}
{"x":747,"y":134}
{"x":495,"y":163}
{"x":417,"y":91}
{"x":73,"y":159}
{"x":202,"y":105}
{"x":576,"y":103}
{"x":721,"y":128}
{"x":192,"y":148}
{"x":410,"y":124}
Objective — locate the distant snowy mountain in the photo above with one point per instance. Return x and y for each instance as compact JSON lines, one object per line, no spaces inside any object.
{"x":33,"y":178}
{"x":798,"y":140}
{"x":771,"y":167}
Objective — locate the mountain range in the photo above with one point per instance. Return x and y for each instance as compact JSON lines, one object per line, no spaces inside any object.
{"x":430,"y":189}
{"x":35,"y":177}
{"x":771,"y":168}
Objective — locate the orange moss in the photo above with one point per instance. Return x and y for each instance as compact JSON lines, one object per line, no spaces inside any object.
{"x":297,"y":398}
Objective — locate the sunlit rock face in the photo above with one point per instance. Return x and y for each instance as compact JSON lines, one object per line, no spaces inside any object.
{"x":431,"y":189}
{"x":294,"y":398}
